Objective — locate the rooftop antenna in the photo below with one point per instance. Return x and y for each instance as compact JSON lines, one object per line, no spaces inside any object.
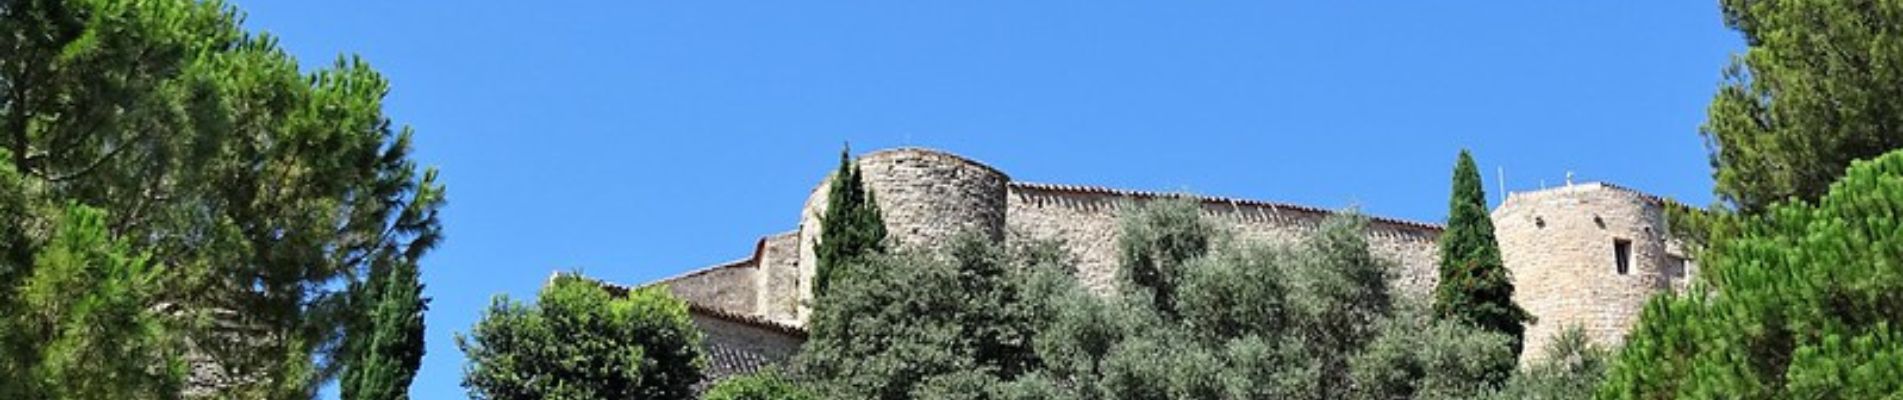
{"x":1503,"y":183}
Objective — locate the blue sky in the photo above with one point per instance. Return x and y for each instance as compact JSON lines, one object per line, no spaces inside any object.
{"x":635,"y":140}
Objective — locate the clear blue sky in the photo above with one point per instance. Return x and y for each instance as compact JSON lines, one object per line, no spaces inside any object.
{"x":635,"y":140}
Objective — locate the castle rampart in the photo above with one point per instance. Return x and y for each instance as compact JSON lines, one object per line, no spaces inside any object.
{"x":1088,"y":221}
{"x":1581,"y":255}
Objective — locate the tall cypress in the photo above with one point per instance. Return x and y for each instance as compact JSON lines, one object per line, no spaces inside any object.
{"x":851,"y":227}
{"x":386,"y":350}
{"x":1475,"y":287}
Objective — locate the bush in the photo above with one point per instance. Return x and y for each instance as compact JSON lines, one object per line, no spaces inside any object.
{"x":1571,"y":367}
{"x":765,"y":385}
{"x":580,"y":341}
{"x":901,"y":320}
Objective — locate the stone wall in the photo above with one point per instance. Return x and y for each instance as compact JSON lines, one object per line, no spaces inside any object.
{"x":727,"y":287}
{"x":779,"y":277}
{"x":1559,"y":243}
{"x":1088,"y":221}
{"x":1560,"y":246}
{"x":925,"y":197}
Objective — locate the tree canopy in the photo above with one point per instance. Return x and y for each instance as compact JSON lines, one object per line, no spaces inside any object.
{"x":82,"y":325}
{"x":906,"y":322}
{"x":263,"y":195}
{"x":581,"y":340}
{"x":1803,"y":303}
{"x":1307,"y":320}
{"x":1816,"y":89}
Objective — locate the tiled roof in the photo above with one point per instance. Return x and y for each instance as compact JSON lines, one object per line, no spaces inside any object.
{"x":749,"y":320}
{"x":725,"y":361}
{"x":1082,"y":189}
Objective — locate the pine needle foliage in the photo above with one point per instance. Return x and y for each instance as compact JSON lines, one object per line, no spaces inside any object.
{"x":82,"y":324}
{"x":1820,"y":85}
{"x":1803,"y":303}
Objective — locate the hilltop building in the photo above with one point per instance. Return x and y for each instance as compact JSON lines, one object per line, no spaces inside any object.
{"x":1585,"y":255}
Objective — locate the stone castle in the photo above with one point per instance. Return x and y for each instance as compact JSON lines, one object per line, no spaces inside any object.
{"x":1585,"y":255}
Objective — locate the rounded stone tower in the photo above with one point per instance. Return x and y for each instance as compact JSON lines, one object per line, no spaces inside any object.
{"x":925,"y":197}
{"x":1587,"y":255}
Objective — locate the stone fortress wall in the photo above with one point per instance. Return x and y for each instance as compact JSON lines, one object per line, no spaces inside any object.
{"x":1564,"y":248}
{"x":925,"y":197}
{"x":1559,"y":243}
{"x":1088,"y":221}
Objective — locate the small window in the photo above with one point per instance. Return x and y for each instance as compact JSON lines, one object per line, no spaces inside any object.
{"x":1622,"y":254}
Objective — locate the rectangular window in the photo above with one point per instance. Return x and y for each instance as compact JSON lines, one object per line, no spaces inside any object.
{"x":1622,"y":254}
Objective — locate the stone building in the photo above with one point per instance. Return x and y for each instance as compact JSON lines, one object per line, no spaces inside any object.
{"x":1587,"y":255}
{"x":1559,"y":242}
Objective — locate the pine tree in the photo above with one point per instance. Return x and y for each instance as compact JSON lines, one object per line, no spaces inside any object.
{"x":82,"y":324}
{"x":1803,"y":302}
{"x":851,"y":228}
{"x":1475,"y":286}
{"x":1819,"y":86}
{"x":264,"y":187}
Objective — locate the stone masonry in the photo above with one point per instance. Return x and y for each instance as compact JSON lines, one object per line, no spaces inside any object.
{"x":1563,"y":248}
{"x":1562,"y":245}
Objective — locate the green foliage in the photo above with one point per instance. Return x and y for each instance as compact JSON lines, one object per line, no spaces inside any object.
{"x":850,"y":229}
{"x":1475,"y":286}
{"x":386,"y":359}
{"x":262,"y":193}
{"x":582,"y":341}
{"x":1804,"y":304}
{"x":1237,"y":293}
{"x":16,"y":246}
{"x":1251,"y":322}
{"x":765,"y":385}
{"x":1311,"y":320}
{"x":1157,"y":237}
{"x":1817,"y":88}
{"x":903,"y":319}
{"x":82,"y":324}
{"x":1421,"y":357}
{"x":1571,"y":367}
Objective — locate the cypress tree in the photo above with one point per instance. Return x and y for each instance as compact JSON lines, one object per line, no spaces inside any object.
{"x":1475,"y":287}
{"x":389,"y":348}
{"x":851,"y":227}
